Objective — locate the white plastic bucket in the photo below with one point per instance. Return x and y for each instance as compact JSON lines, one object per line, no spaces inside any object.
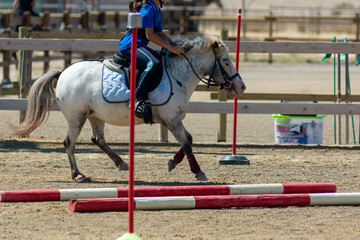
{"x":298,"y":129}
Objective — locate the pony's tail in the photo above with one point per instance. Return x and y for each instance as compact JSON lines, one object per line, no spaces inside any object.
{"x":41,"y":99}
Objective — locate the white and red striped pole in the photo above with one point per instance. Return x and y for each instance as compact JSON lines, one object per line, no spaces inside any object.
{"x":134,"y":22}
{"x":220,"y":201}
{"x":237,"y":189}
{"x":235,"y":159}
{"x":132,"y":128}
{"x":237,"y":55}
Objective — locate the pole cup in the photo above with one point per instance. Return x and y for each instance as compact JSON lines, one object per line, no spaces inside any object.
{"x":235,"y":159}
{"x":134,"y":22}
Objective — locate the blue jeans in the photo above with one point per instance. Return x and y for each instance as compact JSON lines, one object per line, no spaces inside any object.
{"x":150,"y":67}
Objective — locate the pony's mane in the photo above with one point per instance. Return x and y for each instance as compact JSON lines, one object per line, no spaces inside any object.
{"x":201,"y":43}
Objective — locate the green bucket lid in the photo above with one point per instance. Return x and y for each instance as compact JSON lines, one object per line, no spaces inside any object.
{"x":317,"y":116}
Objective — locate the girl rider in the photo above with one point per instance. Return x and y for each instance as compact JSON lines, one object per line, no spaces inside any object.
{"x":150,"y":11}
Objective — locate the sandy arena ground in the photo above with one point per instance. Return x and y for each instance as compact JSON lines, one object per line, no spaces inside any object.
{"x":40,"y":162}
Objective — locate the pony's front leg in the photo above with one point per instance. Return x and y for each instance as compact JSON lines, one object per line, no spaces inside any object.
{"x":179,"y":132}
{"x":179,"y":156}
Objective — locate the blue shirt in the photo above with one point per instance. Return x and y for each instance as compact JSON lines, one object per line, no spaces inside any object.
{"x":150,"y":18}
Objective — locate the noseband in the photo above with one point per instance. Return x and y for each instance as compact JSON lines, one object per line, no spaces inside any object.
{"x":227,"y":83}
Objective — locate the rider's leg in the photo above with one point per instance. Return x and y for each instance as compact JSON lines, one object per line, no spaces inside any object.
{"x":153,"y":68}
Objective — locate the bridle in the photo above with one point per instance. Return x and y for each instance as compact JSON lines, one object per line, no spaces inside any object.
{"x":227,"y":83}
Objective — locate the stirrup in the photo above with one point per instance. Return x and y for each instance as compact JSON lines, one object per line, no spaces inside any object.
{"x":140,"y":109}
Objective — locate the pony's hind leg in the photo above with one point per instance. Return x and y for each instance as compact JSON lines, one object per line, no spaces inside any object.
{"x":179,"y":156}
{"x":99,"y":139}
{"x":75,"y":126}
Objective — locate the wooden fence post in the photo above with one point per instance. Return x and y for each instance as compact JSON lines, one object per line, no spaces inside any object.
{"x":26,"y":21}
{"x":117,"y":21}
{"x":46,"y":61}
{"x":163,"y":134}
{"x":221,"y":136}
{"x":271,"y":20}
{"x":173,"y":20}
{"x":318,"y":20}
{"x":6,"y":54}
{"x":347,"y":82}
{"x":101,"y":20}
{"x":84,"y":20}
{"x":23,"y":71}
{"x":184,"y":22}
{"x":67,"y":59}
{"x":67,"y":54}
{"x":339,"y":93}
{"x":45,"y":21}
{"x":357,"y":22}
{"x":46,"y":27}
{"x":66,"y":20}
{"x":6,"y":68}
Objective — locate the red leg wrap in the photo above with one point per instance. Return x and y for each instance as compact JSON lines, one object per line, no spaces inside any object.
{"x":179,"y":156}
{"x":194,"y":166}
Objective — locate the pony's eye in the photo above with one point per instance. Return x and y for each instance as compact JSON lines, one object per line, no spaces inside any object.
{"x":226,"y":61}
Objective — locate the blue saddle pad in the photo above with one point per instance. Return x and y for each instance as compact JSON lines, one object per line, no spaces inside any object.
{"x":114,"y":88}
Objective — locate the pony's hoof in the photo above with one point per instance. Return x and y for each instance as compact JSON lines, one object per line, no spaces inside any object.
{"x":81,"y":179}
{"x":123,"y":166}
{"x":201,"y":176}
{"x":171,"y":164}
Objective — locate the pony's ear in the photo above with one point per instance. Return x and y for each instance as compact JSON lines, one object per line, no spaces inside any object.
{"x":215,"y":45}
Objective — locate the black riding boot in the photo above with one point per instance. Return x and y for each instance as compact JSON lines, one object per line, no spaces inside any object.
{"x":140,"y":108}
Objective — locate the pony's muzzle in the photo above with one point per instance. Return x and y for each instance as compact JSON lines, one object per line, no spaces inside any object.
{"x":235,"y":88}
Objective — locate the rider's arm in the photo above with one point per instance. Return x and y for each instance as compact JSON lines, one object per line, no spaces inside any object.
{"x":164,"y":36}
{"x":155,"y":38}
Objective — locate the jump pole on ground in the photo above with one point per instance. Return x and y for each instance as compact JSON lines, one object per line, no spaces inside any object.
{"x":235,"y":159}
{"x":213,"y":202}
{"x":238,"y":189}
{"x":134,"y":22}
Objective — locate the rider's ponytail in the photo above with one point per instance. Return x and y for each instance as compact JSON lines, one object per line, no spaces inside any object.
{"x":135,"y":5}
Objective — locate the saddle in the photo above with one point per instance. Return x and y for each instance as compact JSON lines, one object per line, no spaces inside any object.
{"x":121,"y":64}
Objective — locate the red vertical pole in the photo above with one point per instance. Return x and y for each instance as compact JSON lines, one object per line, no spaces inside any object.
{"x":235,"y":159}
{"x":237,"y":69}
{"x":132,"y":129}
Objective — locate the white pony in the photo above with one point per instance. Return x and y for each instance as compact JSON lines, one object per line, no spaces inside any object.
{"x":79,"y":97}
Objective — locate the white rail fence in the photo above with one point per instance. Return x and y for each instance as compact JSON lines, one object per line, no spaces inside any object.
{"x":205,"y":107}
{"x":227,"y":107}
{"x":108,"y":45}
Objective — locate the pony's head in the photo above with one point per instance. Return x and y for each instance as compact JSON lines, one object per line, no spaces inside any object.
{"x":221,"y":71}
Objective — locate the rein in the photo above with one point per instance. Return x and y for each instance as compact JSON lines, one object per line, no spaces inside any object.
{"x":171,"y":71}
{"x":209,"y":80}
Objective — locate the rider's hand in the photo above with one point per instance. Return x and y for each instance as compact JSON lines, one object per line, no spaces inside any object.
{"x":177,"y":50}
